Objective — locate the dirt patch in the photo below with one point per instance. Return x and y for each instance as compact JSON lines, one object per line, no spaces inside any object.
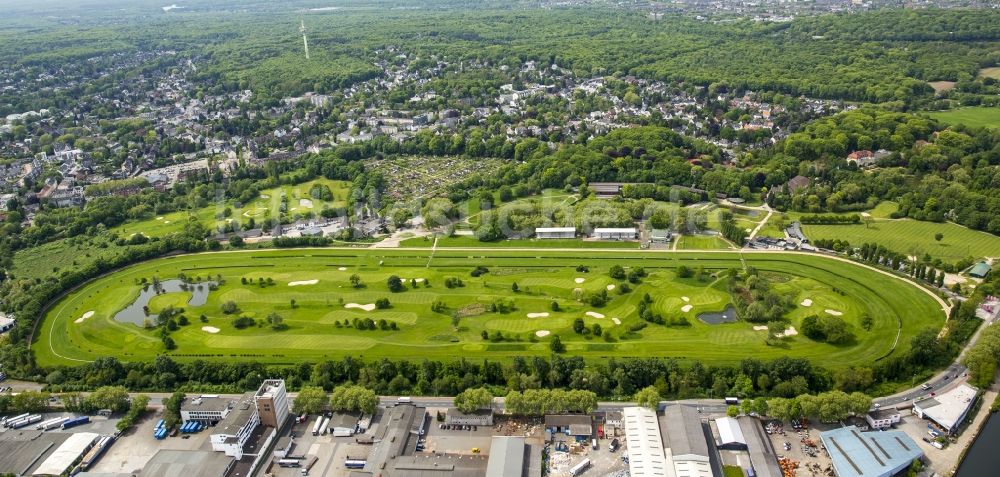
{"x":368,"y":307}
{"x":306,"y":203}
{"x":474,"y":309}
{"x":537,"y":315}
{"x":303,"y":282}
{"x":542,"y":333}
{"x":594,"y":314}
{"x":210,"y":329}
{"x":940,"y":86}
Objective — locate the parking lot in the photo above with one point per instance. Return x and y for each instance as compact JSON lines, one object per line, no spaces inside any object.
{"x":457,"y":441}
{"x":131,"y":453}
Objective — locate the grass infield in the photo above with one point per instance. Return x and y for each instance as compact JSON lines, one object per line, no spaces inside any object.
{"x":542,"y":276}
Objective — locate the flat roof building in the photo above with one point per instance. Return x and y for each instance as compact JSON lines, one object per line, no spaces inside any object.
{"x":577,"y":425}
{"x":869,"y":454}
{"x":618,"y":233}
{"x":730,"y":434}
{"x":6,"y":323}
{"x":268,"y":406}
{"x":645,"y":446}
{"x":684,"y":442}
{"x":479,"y":417}
{"x":555,"y":232}
{"x":659,"y":236}
{"x":947,"y":409}
{"x":206,"y":409}
{"x":187,"y":463}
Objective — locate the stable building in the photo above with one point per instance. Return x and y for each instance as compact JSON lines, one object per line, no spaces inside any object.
{"x":660,"y":236}
{"x":869,"y":454}
{"x":623,"y":233}
{"x":479,"y":417}
{"x":555,"y":232}
{"x":947,"y":409}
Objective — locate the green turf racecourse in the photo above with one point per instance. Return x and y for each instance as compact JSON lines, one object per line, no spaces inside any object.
{"x":543,"y":276}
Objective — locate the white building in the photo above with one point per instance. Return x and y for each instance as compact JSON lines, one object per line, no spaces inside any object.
{"x":684,"y":442}
{"x":882,"y":418}
{"x":948,"y":409}
{"x":268,"y":406}
{"x":555,"y":232}
{"x":479,"y":417}
{"x":645,"y":446}
{"x":207,"y":409}
{"x":626,"y":233}
{"x":6,"y":323}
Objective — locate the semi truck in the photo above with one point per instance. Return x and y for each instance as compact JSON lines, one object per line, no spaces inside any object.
{"x":76,"y":421}
{"x":579,"y":468}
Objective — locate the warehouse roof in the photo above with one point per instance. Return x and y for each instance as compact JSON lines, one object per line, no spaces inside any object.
{"x":206,"y":404}
{"x":20,"y":450}
{"x":645,"y":446}
{"x":869,"y":454}
{"x":241,"y":414}
{"x":729,"y":431}
{"x":682,"y":431}
{"x":539,"y":230}
{"x":506,"y":457}
{"x":762,"y":456}
{"x":170,"y":463}
{"x":67,"y":453}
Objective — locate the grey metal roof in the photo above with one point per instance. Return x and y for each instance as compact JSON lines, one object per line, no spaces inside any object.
{"x":506,"y":457}
{"x":682,"y":432}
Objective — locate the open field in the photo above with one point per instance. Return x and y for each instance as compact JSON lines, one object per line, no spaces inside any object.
{"x":267,"y":205}
{"x":543,"y":277}
{"x":701,"y":242}
{"x":974,"y":116}
{"x":914,"y":237}
{"x":993,"y":72}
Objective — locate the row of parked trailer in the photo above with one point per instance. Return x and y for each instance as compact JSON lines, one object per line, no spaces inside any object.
{"x":95,"y":452}
{"x":22,"y":420}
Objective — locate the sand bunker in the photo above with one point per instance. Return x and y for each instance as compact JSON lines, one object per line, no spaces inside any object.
{"x":687,"y":308}
{"x":616,"y":321}
{"x":807,"y":302}
{"x":579,"y":280}
{"x":686,"y":299}
{"x":166,"y":221}
{"x":265,"y":196}
{"x":537,"y":315}
{"x":306,"y":203}
{"x":542,"y":333}
{"x":159,"y":218}
{"x":611,"y":287}
{"x":303,"y":282}
{"x":790,"y":332}
{"x":84,"y":317}
{"x":368,"y":307}
{"x":833,"y":312}
{"x":594,"y":314}
{"x":342,"y":268}
{"x":210,"y":329}
{"x":760,"y":328}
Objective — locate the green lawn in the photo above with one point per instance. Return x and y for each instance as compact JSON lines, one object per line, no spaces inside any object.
{"x":543,"y":277}
{"x":701,"y":242}
{"x":973,"y":116}
{"x":914,"y":238}
{"x":268,"y":205}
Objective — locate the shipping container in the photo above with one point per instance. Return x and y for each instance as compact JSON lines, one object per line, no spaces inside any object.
{"x":288,"y":462}
{"x":355,"y":463}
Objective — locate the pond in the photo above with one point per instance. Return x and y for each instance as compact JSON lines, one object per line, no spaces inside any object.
{"x":134,"y":313}
{"x":746,"y":212}
{"x":982,"y":458}
{"x":715,"y":317}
